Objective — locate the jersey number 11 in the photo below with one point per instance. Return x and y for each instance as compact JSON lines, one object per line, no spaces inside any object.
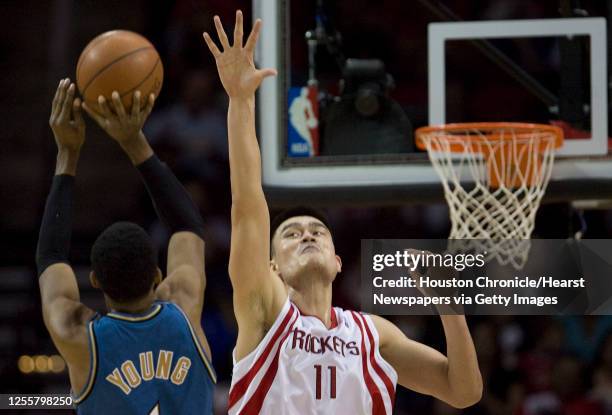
{"x":332,"y":381}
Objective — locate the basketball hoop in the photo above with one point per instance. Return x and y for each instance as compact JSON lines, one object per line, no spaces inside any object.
{"x":509,"y":165}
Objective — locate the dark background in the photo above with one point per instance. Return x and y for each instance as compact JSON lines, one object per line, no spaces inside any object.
{"x":531,"y":365}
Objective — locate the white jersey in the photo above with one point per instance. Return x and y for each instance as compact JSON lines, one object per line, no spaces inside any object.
{"x":301,"y":367}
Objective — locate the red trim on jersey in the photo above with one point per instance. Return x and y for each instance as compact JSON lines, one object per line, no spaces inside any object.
{"x":379,"y":371}
{"x":332,"y":317}
{"x":378,"y":406}
{"x":253,"y":406}
{"x":239,"y":389}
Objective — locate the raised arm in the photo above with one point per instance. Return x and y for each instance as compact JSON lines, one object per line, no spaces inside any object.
{"x":64,"y":315}
{"x":185,"y":280}
{"x":258,"y":294}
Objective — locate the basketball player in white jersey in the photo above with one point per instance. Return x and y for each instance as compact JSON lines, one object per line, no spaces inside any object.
{"x":295,"y":354}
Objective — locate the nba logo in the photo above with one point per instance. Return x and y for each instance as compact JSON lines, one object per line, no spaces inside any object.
{"x":303,"y":132}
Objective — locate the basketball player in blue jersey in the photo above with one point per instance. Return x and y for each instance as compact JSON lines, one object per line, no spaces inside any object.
{"x":148,"y":354}
{"x":295,"y":353}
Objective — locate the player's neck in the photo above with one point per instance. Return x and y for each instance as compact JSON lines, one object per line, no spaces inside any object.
{"x":134,"y":307}
{"x":315,"y":300}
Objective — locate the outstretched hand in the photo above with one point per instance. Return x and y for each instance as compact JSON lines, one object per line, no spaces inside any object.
{"x":235,"y":64}
{"x":66,"y":120}
{"x":440,"y":273}
{"x":118,"y":123}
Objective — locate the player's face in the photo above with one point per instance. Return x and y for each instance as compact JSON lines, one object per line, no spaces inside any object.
{"x":304,"y":242}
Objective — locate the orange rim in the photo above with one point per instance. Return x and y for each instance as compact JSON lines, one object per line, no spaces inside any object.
{"x":487,"y":131}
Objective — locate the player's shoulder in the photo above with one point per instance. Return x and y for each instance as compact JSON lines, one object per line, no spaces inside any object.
{"x":73,"y":340}
{"x":174,"y":310}
{"x":70,"y":320}
{"x":386,"y":330}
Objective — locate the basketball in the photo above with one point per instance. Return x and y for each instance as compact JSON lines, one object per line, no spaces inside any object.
{"x":121,"y":61}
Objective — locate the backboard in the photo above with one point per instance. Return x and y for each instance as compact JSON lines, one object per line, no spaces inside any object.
{"x":583,"y":169}
{"x":594,"y":29}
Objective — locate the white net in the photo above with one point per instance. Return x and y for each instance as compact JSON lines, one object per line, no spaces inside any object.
{"x":494,"y":179}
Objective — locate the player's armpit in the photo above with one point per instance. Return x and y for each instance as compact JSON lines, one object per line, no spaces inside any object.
{"x":256,"y":311}
{"x":258,"y":303}
{"x":184,"y":286}
{"x":419,"y":367}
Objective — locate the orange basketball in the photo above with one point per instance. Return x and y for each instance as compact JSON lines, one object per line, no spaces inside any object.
{"x":121,"y":61}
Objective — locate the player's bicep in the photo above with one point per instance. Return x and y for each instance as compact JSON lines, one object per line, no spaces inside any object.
{"x":64,"y":315}
{"x":185,"y":280}
{"x":419,"y":367}
{"x":185,"y":249}
{"x":250,"y":243}
{"x":57,"y":282}
{"x":258,"y":294}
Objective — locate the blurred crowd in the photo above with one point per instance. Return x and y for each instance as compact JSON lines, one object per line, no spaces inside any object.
{"x":531,"y":366}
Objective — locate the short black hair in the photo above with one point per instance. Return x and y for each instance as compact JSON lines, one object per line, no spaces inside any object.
{"x":292,"y":213}
{"x":124,"y":261}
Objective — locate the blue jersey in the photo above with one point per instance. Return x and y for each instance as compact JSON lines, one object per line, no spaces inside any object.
{"x":150,"y":363}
